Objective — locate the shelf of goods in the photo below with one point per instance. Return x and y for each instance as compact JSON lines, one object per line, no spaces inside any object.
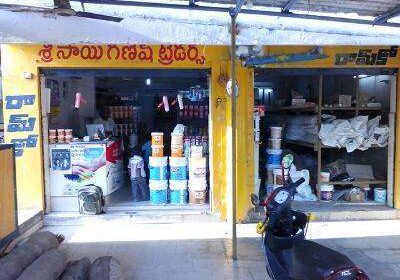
{"x":313,"y":125}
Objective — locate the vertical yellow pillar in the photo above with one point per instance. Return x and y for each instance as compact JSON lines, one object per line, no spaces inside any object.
{"x":22,"y":126}
{"x":396,"y":187}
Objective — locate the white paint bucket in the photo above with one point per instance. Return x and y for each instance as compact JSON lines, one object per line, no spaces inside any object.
{"x":178,"y":168}
{"x":158,"y":168}
{"x":275,"y":143}
{"x":196,"y":151}
{"x":197,"y":184}
{"x":276,"y":132}
{"x":178,"y":184}
{"x":326,"y":192}
{"x":197,"y":168}
{"x":158,"y":184}
{"x":324,"y":177}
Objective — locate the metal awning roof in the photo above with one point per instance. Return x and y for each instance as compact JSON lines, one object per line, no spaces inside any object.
{"x":361,"y":7}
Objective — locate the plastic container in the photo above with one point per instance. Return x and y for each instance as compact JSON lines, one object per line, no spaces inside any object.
{"x":52,"y":139}
{"x":197,"y":184}
{"x":274,"y":156}
{"x":158,"y":168}
{"x":157,"y":151}
{"x":196,"y":151}
{"x":197,"y":168}
{"x":68,"y":132}
{"x":177,"y":139}
{"x":52,"y":132}
{"x":157,"y":138}
{"x":380,"y":195}
{"x":178,"y":168}
{"x":326,"y":192}
{"x":178,"y":192}
{"x":197,"y":197}
{"x":176,"y":150}
{"x":275,"y":143}
{"x":60,"y":132}
{"x":278,"y":176}
{"x":324,"y":177}
{"x":61,"y":139}
{"x":158,"y":191}
{"x":272,"y":167}
{"x":276,"y":132}
{"x":68,"y":139}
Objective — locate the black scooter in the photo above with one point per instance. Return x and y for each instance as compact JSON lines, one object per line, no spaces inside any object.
{"x":288,"y":255}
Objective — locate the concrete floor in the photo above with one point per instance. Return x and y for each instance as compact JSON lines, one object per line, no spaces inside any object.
{"x":201,"y":250}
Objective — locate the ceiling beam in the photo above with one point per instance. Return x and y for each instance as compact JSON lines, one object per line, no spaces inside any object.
{"x":391,"y":13}
{"x":128,"y":3}
{"x":235,"y":11}
{"x":288,"y":6}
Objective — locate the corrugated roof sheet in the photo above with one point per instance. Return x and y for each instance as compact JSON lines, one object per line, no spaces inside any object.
{"x":361,"y":7}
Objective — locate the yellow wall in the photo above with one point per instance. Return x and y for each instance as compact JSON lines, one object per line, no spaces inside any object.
{"x":17,"y":59}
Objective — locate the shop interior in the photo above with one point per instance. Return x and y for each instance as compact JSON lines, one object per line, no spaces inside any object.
{"x":336,"y":124}
{"x":153,"y":123}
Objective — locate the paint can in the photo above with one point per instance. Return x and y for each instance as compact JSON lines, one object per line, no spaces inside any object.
{"x":380,"y":195}
{"x":157,"y":138}
{"x":197,"y":168}
{"x":276,"y":132}
{"x":274,"y":143}
{"x":326,"y":192}
{"x":197,"y":184}
{"x":197,"y":197}
{"x":158,"y":191}
{"x":178,"y":192}
{"x":274,"y":156}
{"x":158,"y":168}
{"x":324,"y":177}
{"x":157,"y":151}
{"x":178,"y":168}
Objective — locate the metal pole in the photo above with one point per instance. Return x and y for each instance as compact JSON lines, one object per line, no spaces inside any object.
{"x":233,"y":124}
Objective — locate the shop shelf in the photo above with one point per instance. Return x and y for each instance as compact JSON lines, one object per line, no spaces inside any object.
{"x":359,"y":182}
{"x":299,"y":109}
{"x":300,"y":143}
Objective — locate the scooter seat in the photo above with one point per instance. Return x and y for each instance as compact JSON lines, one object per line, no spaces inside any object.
{"x":312,"y":261}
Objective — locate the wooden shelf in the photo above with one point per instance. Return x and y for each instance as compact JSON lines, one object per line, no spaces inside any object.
{"x":298,"y":109}
{"x":300,"y":143}
{"x":358,"y":182}
{"x":350,"y":109}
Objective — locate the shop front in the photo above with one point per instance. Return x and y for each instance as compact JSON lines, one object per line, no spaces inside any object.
{"x":147,"y":125}
{"x":335,"y":111}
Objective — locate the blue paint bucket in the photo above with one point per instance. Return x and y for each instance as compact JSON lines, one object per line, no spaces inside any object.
{"x":380,"y":195}
{"x":158,"y":168}
{"x":178,"y":191}
{"x":274,"y":157}
{"x":178,"y":168}
{"x":158,"y":191}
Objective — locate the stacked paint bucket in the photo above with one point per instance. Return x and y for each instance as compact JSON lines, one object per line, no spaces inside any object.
{"x":197,"y":176}
{"x":178,"y":171}
{"x":274,"y":154}
{"x":158,"y":164}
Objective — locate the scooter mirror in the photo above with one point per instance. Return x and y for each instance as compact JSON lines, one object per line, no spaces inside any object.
{"x":254,"y":199}
{"x":287,"y":161}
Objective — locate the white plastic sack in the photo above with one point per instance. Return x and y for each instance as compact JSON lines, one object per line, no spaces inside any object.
{"x":304,"y":192}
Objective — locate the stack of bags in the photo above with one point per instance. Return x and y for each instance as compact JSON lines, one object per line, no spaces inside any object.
{"x":197,"y":175}
{"x":158,"y":164}
{"x":302,"y":128}
{"x":38,"y":258}
{"x":178,"y":170}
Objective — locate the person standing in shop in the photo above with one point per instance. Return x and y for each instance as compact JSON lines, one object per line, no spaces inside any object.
{"x":138,"y":178}
{"x":107,"y":122}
